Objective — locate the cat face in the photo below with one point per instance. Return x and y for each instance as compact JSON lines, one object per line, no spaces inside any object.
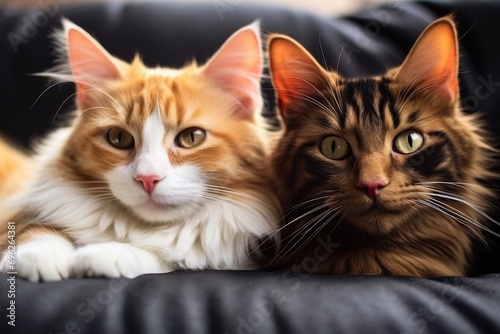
{"x":165,"y":142}
{"x":379,"y":152}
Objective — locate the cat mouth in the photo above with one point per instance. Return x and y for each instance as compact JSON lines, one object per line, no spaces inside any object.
{"x":155,"y":205}
{"x":377,"y":208}
{"x":155,"y":211}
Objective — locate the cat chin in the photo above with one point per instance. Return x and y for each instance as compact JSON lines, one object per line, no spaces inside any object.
{"x":163,"y":213}
{"x":377,"y":223}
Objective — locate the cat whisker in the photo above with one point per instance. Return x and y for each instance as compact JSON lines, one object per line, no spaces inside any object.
{"x":212,"y":189}
{"x":226,"y":190}
{"x":472,"y":206}
{"x":302,"y":232}
{"x":327,"y":80}
{"x":311,"y":211}
{"x":88,"y":182}
{"x":274,"y":233}
{"x":289,"y":211}
{"x":93,"y":108}
{"x":216,"y":197}
{"x":453,"y":216}
{"x":62,"y":104}
{"x":463,"y":185}
{"x":308,"y":98}
{"x":335,"y":93}
{"x":413,"y":92}
{"x":483,"y":202}
{"x":317,"y":230}
{"x":43,"y":93}
{"x":307,"y":202}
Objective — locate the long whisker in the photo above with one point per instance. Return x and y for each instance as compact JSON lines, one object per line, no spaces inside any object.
{"x":451,"y":215}
{"x":303,"y":232}
{"x":467,"y":204}
{"x":462,"y":185}
{"x":43,"y":93}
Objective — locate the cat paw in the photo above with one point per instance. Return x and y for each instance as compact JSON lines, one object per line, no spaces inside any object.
{"x":43,"y":259}
{"x":113,"y":259}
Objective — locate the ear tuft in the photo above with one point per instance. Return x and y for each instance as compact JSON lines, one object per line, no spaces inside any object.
{"x":294,"y":71}
{"x":90,"y":63}
{"x":237,"y":69}
{"x":432,"y":64}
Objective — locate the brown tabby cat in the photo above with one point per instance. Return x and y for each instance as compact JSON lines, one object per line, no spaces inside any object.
{"x":379,"y":175}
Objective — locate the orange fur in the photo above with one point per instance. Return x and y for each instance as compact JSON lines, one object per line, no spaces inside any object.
{"x":15,"y":169}
{"x":212,"y":202}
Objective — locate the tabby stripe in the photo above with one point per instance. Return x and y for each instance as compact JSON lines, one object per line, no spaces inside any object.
{"x":294,"y":157}
{"x":386,"y":93}
{"x":320,"y":168}
{"x":350,"y":99}
{"x":427,"y":161}
{"x":389,"y":100}
{"x":366,"y":91}
{"x":444,"y":137}
{"x":394,"y":114}
{"x":343,"y":116}
{"x":414,"y":116}
{"x":439,"y":134}
{"x":323,"y":122}
{"x":382,"y":104}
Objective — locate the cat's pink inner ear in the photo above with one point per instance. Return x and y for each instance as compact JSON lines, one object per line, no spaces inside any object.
{"x":237,"y":68}
{"x":90,"y":63}
{"x":294,"y":71}
{"x":432,"y":63}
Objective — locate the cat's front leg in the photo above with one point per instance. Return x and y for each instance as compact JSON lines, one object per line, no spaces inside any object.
{"x":115,"y":259}
{"x":42,"y":254}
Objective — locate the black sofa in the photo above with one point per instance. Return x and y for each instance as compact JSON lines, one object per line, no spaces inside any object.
{"x":245,"y":301}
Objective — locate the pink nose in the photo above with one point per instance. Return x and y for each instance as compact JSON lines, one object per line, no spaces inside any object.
{"x":148,"y":182}
{"x":372,"y":188}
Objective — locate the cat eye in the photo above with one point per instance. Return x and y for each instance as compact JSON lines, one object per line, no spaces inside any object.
{"x":120,"y":138}
{"x":408,"y":141}
{"x":191,"y":137}
{"x":335,"y":148}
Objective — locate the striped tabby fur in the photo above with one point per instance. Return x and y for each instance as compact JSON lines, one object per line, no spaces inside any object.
{"x":361,"y":196}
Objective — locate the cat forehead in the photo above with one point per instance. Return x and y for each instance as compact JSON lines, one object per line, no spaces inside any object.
{"x":369,"y":102}
{"x":181,"y":96}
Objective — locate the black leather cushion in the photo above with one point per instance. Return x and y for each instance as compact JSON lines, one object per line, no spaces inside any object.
{"x":249,"y":302}
{"x":257,"y":302}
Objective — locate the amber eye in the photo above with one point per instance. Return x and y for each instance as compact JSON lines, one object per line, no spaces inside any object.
{"x":335,"y":148}
{"x":191,"y":137}
{"x":120,"y":138}
{"x":408,"y":141}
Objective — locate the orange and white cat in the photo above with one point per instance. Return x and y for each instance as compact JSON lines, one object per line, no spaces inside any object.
{"x":161,"y":169}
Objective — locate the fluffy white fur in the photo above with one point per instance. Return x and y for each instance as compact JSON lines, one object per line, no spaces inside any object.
{"x":131,"y":232}
{"x":117,"y":241}
{"x":179,"y":192}
{"x":45,"y":258}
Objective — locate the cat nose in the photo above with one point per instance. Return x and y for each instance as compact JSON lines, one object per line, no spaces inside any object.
{"x":372,"y":188}
{"x":148,"y":182}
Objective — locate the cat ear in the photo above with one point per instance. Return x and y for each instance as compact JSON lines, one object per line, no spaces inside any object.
{"x":237,"y":68}
{"x":432,"y":63}
{"x":294,"y":71}
{"x":90,"y":63}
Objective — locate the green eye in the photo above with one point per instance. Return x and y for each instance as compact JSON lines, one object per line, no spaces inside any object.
{"x":120,"y":138}
{"x":408,"y":141}
{"x":191,"y":137}
{"x":335,"y":148}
